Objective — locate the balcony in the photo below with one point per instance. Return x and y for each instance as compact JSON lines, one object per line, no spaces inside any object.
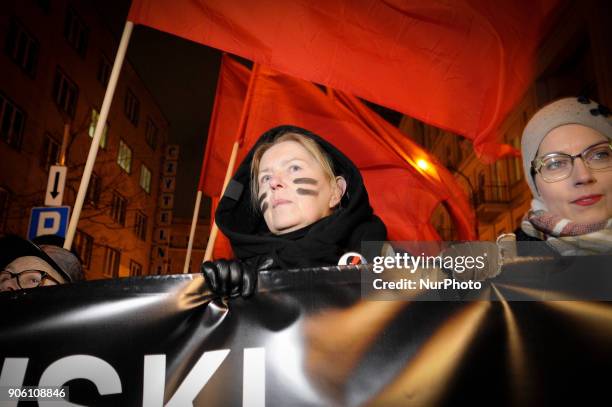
{"x":491,"y":200}
{"x":519,"y":192}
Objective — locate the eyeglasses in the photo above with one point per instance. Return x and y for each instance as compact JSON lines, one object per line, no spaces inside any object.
{"x":25,"y":279}
{"x":558,"y":166}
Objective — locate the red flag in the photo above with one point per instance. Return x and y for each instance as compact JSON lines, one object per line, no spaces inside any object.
{"x":391,"y":174}
{"x":229,"y":101}
{"x":222,"y":248}
{"x":438,"y":179}
{"x":460,"y":66}
{"x":230,"y":96}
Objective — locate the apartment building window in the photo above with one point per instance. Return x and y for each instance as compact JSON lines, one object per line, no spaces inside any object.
{"x":83,"y":243}
{"x":140,"y":225}
{"x":22,"y":48}
{"x":124,"y":157}
{"x":104,"y":71}
{"x":76,"y":32}
{"x":499,"y":168}
{"x":94,"y":190}
{"x":95,"y":115}
{"x":151,"y":134}
{"x":118,"y":208}
{"x":12,"y":122}
{"x":132,"y":107}
{"x":135,"y":268}
{"x":50,"y":152}
{"x":145,"y":178}
{"x":65,"y":93}
{"x":4,"y":206}
{"x":112,"y":257}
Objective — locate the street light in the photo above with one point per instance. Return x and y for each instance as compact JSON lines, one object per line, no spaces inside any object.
{"x":423,"y":164}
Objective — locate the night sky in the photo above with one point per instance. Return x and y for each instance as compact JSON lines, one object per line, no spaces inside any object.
{"x":182,"y":76}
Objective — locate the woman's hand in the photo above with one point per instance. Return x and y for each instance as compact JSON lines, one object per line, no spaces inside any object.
{"x":231,"y":278}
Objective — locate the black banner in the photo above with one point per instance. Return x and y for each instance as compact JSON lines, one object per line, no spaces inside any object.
{"x":307,"y":338}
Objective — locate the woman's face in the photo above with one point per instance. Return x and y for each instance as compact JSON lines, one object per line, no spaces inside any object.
{"x":586,"y":195}
{"x":294,"y":191}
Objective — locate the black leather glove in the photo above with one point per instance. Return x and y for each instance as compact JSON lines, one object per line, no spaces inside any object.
{"x":231,"y":278}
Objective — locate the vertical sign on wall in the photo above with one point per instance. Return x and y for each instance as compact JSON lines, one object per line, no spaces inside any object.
{"x":160,"y":261}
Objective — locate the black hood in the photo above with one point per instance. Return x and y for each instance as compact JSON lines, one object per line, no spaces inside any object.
{"x":321,"y":243}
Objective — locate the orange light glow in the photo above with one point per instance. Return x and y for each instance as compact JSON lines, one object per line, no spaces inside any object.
{"x":423,"y":164}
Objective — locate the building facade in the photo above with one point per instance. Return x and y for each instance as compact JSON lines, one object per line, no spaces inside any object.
{"x":55,"y":66}
{"x":177,"y":246}
{"x":574,"y":59}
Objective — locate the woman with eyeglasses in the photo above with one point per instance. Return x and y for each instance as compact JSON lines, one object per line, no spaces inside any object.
{"x":567,"y":158}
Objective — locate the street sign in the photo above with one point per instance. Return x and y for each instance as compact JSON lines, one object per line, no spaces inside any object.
{"x":49,"y":221}
{"x":55,"y":185}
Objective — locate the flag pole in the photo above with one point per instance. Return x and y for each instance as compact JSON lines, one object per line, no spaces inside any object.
{"x":95,"y":142}
{"x":194,"y":222}
{"x":214,"y":230}
{"x":196,"y":209}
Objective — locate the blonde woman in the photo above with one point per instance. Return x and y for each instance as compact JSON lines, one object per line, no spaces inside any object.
{"x":295,"y":201}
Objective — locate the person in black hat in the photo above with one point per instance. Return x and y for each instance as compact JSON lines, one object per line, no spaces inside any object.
{"x":295,"y":201}
{"x":24,"y":264}
{"x":69,"y":261}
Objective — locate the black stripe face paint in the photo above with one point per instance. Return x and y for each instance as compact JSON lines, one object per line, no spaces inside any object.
{"x":260,"y":201}
{"x":310,"y":192}
{"x":309,"y":181}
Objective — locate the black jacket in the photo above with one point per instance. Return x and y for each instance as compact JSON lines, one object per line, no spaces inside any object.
{"x":321,"y":243}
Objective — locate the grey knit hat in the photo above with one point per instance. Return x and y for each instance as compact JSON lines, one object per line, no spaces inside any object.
{"x":572,"y":110}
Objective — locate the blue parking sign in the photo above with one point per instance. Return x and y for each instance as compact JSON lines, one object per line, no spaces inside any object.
{"x":47,"y":220}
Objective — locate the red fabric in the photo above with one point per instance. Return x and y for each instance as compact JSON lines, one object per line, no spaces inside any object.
{"x":436,"y":177}
{"x":222,"y":248}
{"x":229,"y":100}
{"x":402,"y":194}
{"x":458,"y":65}
{"x":393,"y":182}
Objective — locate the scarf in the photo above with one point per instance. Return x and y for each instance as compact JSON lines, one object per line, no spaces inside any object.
{"x":567,"y":237}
